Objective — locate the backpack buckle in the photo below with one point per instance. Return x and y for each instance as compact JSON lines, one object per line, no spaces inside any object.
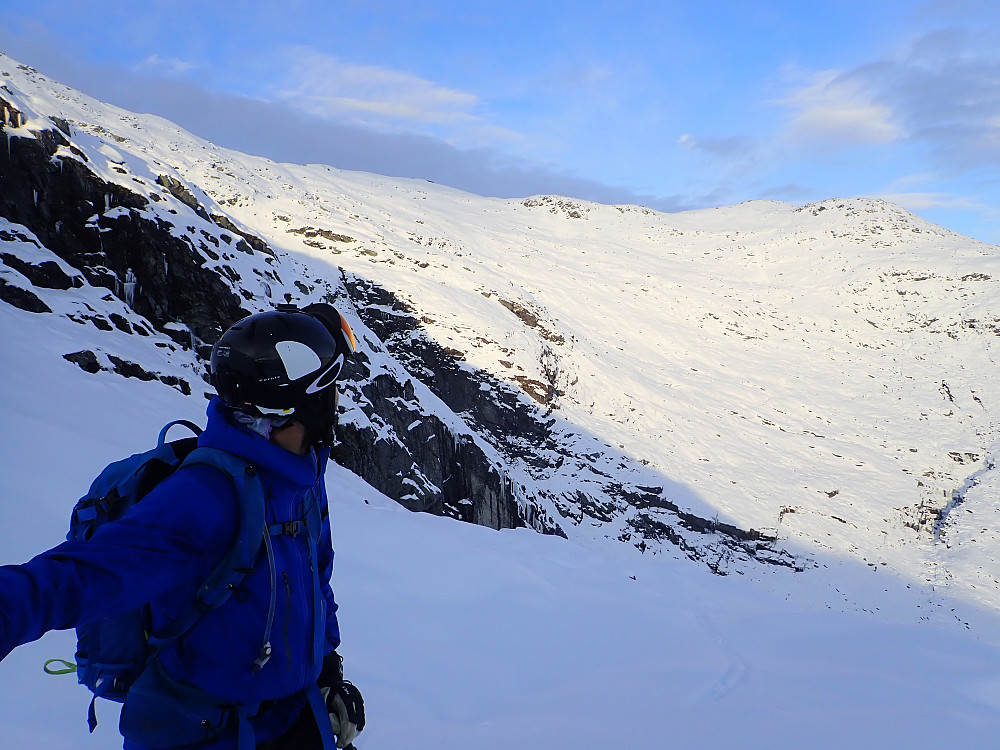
{"x":288,"y":528}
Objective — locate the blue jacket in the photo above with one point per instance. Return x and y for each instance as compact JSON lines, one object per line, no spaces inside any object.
{"x":162,"y":550}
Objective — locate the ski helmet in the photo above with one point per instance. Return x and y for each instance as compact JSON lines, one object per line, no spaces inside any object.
{"x":285,"y":363}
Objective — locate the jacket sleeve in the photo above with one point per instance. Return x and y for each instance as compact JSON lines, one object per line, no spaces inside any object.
{"x":173,"y":537}
{"x":326,"y":568}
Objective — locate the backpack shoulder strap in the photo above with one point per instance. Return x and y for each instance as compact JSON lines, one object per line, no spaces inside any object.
{"x":162,"y":437}
{"x":314,"y":529}
{"x":238,"y":561}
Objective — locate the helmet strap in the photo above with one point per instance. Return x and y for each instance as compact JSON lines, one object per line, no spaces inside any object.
{"x":319,"y":431}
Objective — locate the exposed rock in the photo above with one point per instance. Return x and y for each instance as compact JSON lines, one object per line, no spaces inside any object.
{"x":312,"y":232}
{"x":181,"y":192}
{"x":22,"y":298}
{"x":418,"y":460}
{"x":85,"y":360}
{"x":65,"y":204}
{"x":89,"y":362}
{"x":252,"y":240}
{"x":46,"y":274}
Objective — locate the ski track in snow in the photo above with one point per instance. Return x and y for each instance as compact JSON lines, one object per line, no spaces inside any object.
{"x":736,"y":669}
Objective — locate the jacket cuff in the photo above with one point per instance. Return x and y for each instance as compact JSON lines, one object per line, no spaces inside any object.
{"x":332,"y":674}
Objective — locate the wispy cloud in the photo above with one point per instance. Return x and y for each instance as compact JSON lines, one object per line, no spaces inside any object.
{"x":941,"y":93}
{"x":836,"y":110}
{"x":384,"y":100}
{"x":924,"y":201}
{"x":169,"y":66}
{"x":325,"y":86}
{"x":726,"y":148}
{"x":946,"y":91}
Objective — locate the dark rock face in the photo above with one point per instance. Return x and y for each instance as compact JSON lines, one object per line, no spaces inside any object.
{"x":46,"y":274}
{"x":524,"y":432}
{"x":496,"y":412}
{"x":423,"y":464}
{"x":49,"y":188}
{"x":180,"y":191}
{"x":88,"y":361}
{"x":461,"y":481}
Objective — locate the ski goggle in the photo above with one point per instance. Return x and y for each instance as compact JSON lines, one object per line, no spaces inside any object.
{"x":275,"y":412}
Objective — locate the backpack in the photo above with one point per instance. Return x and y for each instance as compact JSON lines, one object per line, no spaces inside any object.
{"x":113,"y":652}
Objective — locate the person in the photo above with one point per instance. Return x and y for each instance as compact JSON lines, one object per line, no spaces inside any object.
{"x":276,"y":376}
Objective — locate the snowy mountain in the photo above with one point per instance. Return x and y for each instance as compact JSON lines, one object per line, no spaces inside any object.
{"x":795,"y":395}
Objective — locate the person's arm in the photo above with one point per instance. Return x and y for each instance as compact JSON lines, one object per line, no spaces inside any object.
{"x":344,"y":702}
{"x":174,"y":535}
{"x":326,"y":573}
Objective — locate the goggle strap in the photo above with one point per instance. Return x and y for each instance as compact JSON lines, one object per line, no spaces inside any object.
{"x":348,"y":332}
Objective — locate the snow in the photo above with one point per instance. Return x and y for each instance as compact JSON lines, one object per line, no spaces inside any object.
{"x":815,"y":372}
{"x":462,"y":637}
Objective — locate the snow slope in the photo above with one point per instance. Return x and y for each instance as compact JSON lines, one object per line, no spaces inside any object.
{"x":464,"y":637}
{"x":816,"y":372}
{"x":813,"y":372}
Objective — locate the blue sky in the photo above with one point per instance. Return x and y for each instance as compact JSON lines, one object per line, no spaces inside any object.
{"x":671,"y":104}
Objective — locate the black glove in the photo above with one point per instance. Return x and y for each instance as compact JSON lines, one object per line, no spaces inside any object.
{"x":343,"y":701}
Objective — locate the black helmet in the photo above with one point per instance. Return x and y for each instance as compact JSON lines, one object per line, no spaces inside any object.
{"x":285,"y":363}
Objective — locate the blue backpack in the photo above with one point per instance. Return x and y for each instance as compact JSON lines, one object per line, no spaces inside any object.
{"x":113,"y":652}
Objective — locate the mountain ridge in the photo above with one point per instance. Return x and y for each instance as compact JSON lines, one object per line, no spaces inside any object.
{"x":790,"y":379}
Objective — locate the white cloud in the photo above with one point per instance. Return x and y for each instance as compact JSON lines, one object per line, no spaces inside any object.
{"x":834,"y":111}
{"x":924,"y":201}
{"x":170,"y":66}
{"x":940,"y":93}
{"x":383,"y":100}
{"x":325,"y":86}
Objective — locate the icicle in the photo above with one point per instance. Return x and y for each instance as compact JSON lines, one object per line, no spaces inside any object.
{"x":130,"y":283}
{"x":35,"y":194}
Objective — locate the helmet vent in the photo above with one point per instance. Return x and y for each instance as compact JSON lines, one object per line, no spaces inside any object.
{"x":299,"y":359}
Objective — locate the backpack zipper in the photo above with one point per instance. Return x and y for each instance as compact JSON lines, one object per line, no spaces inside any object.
{"x":288,"y":615}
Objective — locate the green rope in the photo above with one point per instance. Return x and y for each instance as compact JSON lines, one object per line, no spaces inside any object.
{"x":67,"y":668}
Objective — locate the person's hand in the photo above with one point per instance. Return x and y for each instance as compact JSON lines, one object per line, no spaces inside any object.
{"x":343,"y":700}
{"x":347,"y":712}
